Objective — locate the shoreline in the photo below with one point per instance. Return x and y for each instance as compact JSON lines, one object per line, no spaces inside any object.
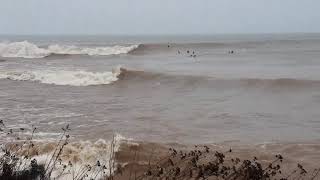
{"x":130,"y":158}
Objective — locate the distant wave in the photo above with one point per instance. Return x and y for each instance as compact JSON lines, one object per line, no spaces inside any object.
{"x":26,"y":49}
{"x":280,"y":82}
{"x":64,"y":77}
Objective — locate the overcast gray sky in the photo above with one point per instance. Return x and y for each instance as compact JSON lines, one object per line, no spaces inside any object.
{"x":158,"y":16}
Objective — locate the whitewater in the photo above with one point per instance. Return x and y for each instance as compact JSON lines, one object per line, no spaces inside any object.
{"x":64,"y":77}
{"x":25,"y":49}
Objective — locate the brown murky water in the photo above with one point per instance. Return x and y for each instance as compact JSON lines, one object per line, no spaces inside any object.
{"x":267,"y":90}
{"x":259,"y":94}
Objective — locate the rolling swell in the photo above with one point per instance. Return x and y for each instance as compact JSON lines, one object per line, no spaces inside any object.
{"x":174,"y":47}
{"x":132,"y":76}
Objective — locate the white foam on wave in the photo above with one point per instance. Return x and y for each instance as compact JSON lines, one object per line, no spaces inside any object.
{"x":26,"y":49}
{"x":96,"y":51}
{"x":64,"y":77}
{"x":22,"y":49}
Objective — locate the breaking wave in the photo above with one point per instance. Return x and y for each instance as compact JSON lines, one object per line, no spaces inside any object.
{"x":87,"y":78}
{"x":64,"y":77}
{"x":26,"y":49}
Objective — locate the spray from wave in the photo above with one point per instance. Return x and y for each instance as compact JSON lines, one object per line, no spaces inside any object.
{"x":22,"y":49}
{"x":26,"y":49}
{"x":65,"y":77}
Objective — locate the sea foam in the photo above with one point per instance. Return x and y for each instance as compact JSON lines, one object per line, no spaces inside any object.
{"x":76,"y":156}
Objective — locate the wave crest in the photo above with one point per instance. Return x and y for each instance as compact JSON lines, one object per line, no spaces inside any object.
{"x":63,"y":77}
{"x":26,"y":49}
{"x":97,"y":51}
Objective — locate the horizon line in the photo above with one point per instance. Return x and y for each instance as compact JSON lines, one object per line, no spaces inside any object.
{"x":158,"y":34}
